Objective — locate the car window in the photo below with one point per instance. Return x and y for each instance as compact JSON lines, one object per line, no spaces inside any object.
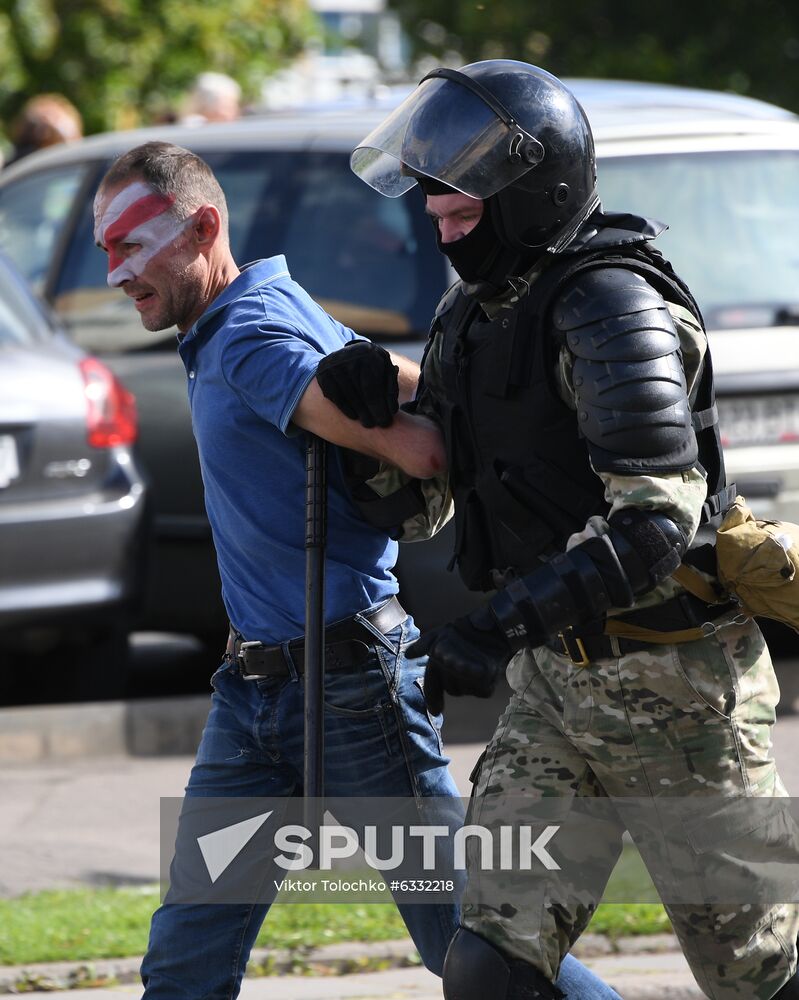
{"x":369,"y":261}
{"x":20,"y":320}
{"x":355,"y":253}
{"x":32,"y":213}
{"x":733,"y":219}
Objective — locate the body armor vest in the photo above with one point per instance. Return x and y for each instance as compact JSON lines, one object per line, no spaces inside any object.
{"x":519,"y":469}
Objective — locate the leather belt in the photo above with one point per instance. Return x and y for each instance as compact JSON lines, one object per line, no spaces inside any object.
{"x":684,"y":611}
{"x":347,"y":644}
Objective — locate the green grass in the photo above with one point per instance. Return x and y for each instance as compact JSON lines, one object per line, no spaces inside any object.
{"x":629,"y":920}
{"x":87,"y":924}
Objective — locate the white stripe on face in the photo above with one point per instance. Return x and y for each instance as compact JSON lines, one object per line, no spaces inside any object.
{"x":136,"y":226}
{"x":120,"y":203}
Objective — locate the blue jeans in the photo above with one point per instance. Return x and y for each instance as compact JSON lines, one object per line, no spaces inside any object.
{"x":380,"y":740}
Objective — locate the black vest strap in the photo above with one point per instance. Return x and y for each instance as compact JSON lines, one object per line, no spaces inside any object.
{"x":702,"y":419}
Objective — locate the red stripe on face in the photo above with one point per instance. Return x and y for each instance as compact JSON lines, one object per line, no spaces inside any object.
{"x":135,"y":215}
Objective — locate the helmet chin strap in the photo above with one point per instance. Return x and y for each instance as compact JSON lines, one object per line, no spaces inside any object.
{"x":570,"y":230}
{"x":554,"y":244}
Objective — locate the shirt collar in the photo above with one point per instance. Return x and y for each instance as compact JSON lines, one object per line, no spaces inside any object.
{"x":259,"y":272}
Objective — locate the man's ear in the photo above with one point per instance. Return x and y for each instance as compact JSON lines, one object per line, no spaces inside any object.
{"x":207,"y":227}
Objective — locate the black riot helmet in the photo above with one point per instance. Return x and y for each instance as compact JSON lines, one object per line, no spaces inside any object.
{"x":502,"y":131}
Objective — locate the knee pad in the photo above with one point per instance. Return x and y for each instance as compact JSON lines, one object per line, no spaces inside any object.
{"x":474,"y":970}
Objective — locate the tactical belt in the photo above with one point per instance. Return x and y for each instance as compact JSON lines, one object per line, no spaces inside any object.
{"x":347,"y":644}
{"x":684,"y":618}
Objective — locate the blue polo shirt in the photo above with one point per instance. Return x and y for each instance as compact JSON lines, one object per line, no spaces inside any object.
{"x":249,"y":358}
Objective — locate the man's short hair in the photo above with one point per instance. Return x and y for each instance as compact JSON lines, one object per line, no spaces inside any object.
{"x":173,"y":172}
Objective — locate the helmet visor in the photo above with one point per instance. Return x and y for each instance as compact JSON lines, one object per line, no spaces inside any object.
{"x":445,"y":131}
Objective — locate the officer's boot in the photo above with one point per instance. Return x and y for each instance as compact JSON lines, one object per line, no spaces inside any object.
{"x":474,"y":970}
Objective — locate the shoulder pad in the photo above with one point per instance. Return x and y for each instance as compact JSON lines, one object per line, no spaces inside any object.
{"x":613,"y":314}
{"x":629,"y":383}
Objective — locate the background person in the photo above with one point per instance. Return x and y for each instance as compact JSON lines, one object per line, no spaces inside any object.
{"x":214,"y":97}
{"x":45,"y":120}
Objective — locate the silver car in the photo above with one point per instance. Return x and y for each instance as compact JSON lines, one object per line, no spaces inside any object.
{"x":722,"y":170}
{"x":72,"y":503}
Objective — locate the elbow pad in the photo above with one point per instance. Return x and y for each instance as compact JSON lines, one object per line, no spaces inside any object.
{"x":577,"y":587}
{"x":653,"y":541}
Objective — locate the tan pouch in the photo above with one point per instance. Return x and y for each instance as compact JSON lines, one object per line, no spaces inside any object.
{"x":758,"y":562}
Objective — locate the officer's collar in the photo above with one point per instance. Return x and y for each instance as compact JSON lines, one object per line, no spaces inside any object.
{"x":518,"y":287}
{"x":600,"y":230}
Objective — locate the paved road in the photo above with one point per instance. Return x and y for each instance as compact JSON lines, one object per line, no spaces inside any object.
{"x":96,"y":821}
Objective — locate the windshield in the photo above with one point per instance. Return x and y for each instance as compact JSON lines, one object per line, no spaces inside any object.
{"x":733,"y":220}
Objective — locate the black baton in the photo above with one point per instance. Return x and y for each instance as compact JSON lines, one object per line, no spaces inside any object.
{"x":315,"y":538}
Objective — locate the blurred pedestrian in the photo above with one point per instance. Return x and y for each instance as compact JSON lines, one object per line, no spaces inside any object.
{"x":215,"y":97}
{"x":45,"y":120}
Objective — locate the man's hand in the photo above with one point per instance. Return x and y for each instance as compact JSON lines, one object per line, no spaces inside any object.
{"x":361,"y":380}
{"x":464,"y":657}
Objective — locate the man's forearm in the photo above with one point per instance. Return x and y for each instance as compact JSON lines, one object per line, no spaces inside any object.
{"x":412,"y":443}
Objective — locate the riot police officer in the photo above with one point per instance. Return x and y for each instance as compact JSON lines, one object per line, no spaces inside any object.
{"x":569,"y":371}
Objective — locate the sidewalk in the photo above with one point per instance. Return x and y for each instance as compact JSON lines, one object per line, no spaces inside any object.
{"x":636,"y":975}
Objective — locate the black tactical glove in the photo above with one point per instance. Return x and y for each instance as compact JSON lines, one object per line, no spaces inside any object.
{"x":361,"y":380}
{"x":465,"y":656}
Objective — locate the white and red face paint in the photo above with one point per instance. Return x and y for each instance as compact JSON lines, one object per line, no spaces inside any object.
{"x":134,"y":227}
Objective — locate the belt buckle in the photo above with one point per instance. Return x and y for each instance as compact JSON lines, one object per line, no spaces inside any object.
{"x":572,"y":643}
{"x":243,"y":647}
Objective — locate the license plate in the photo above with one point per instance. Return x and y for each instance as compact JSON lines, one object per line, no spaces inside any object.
{"x":9,"y":463}
{"x":758,"y":420}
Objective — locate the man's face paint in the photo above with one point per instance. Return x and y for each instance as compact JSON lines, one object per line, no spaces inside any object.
{"x":133,"y":227}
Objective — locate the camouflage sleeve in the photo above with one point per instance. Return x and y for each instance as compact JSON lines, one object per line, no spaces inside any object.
{"x":680,"y":496}
{"x":438,"y":507}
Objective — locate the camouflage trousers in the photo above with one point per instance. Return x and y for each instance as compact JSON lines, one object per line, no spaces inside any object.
{"x":681,"y":721}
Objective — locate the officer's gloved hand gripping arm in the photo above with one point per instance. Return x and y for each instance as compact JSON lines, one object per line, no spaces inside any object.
{"x":366,"y":382}
{"x":633,"y":410}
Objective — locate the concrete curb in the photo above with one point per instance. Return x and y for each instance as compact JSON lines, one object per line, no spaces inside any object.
{"x":167,"y":726}
{"x":149,"y":727}
{"x":333,"y":959}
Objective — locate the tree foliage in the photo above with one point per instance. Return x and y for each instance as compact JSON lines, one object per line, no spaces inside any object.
{"x":750,"y":48}
{"x":118,"y":59}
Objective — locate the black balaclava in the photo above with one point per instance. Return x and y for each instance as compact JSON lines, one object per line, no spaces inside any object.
{"x":470,"y":254}
{"x":480,"y":259}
